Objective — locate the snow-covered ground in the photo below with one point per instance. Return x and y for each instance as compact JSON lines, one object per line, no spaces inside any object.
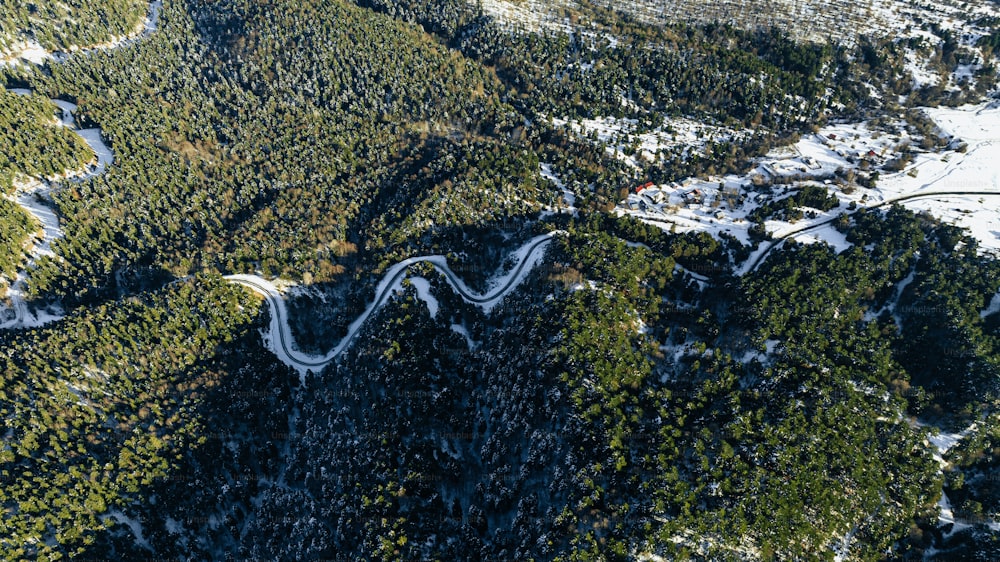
{"x":918,"y":25}
{"x":461,"y":330}
{"x":29,"y":52}
{"x":104,"y":155}
{"x":960,"y":184}
{"x":992,"y":308}
{"x":569,"y":198}
{"x":915,"y":21}
{"x":281,"y":342}
{"x":134,"y":525}
{"x":806,"y":19}
{"x":529,"y":15}
{"x":946,"y":516}
{"x":628,"y":141}
{"x":941,"y":443}
{"x":976,"y":170}
{"x":32,"y":198}
{"x":921,"y":75}
{"x":423,"y":288}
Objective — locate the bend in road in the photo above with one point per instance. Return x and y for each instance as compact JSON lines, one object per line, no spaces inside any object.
{"x":46,"y":216}
{"x":777,"y":241}
{"x":281,"y":340}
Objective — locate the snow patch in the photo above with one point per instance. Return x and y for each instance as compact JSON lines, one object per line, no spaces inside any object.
{"x":464,"y":332}
{"x":173,"y":526}
{"x":30,"y":52}
{"x":992,"y":308}
{"x":423,"y":288}
{"x":134,"y":525}
{"x":945,"y":441}
{"x":104,"y":155}
{"x":946,"y":516}
{"x":569,"y":198}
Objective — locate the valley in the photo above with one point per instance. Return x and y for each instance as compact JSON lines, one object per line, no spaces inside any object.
{"x":502,"y":280}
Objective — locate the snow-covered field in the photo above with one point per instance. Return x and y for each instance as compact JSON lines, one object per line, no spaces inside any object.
{"x":531,"y":15}
{"x":912,"y":20}
{"x":959,"y":185}
{"x":975,"y":170}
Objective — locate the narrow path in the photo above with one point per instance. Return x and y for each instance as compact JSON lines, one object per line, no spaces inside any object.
{"x":281,"y":341}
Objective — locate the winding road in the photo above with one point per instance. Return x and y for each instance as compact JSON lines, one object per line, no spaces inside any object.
{"x":279,"y":338}
{"x":281,"y":341}
{"x":27,"y":198}
{"x":46,"y":216}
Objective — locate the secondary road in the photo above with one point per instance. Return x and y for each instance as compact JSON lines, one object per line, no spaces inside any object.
{"x":45,"y":215}
{"x":778,"y":240}
{"x":280,"y":335}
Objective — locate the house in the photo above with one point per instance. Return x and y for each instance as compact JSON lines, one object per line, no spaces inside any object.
{"x":644,"y":186}
{"x":654,"y":195}
{"x":693,"y":196}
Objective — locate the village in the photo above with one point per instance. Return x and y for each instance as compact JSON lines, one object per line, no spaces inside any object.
{"x":858,"y":163}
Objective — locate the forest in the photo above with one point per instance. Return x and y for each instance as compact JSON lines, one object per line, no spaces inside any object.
{"x":634,"y":397}
{"x":63,"y":26}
